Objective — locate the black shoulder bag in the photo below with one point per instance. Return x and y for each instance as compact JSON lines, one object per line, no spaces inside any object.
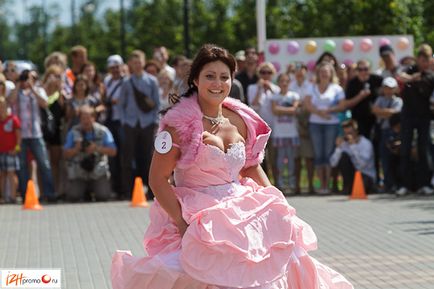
{"x":144,"y":102}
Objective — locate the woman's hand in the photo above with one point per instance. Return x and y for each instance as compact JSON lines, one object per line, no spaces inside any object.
{"x":323,"y":114}
{"x":182,"y":227}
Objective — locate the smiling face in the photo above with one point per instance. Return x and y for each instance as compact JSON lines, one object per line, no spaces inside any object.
{"x":283,"y":82}
{"x":325,"y":74}
{"x":89,"y":71}
{"x":214,"y":82}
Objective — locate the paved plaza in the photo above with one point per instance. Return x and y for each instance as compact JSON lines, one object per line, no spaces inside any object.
{"x":383,"y":242}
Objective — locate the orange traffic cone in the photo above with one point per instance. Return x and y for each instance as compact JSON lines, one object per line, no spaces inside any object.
{"x":139,"y":198}
{"x":358,"y":192}
{"x":31,"y":201}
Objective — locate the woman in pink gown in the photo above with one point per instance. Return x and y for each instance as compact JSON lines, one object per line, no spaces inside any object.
{"x":222,"y":225}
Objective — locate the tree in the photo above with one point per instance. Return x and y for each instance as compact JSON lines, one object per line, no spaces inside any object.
{"x":232,"y":24}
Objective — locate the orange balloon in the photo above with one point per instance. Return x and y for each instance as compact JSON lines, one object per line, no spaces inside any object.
{"x":310,"y":47}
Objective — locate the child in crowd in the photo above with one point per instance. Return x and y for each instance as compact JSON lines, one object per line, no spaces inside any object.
{"x":10,"y":137}
{"x":384,"y":108}
{"x":285,"y":134}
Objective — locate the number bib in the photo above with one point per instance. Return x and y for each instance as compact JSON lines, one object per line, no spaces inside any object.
{"x":163,"y":142}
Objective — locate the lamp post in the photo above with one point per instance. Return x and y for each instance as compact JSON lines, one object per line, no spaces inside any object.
{"x":122,"y":32}
{"x":186,"y":29}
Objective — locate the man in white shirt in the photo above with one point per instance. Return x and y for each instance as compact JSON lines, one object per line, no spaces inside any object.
{"x":161,"y":55}
{"x":353,"y":153}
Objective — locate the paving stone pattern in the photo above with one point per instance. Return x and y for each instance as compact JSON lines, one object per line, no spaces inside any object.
{"x":380,"y":243}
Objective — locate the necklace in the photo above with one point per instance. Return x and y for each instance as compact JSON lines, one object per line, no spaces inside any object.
{"x":215,"y":120}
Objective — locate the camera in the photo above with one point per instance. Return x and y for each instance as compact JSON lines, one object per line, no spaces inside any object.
{"x":89,"y":161}
{"x":24,"y":76}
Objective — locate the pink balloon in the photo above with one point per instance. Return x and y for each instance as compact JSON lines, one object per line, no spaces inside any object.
{"x":403,"y":43}
{"x":384,"y":41}
{"x":348,"y":62}
{"x":274,"y":48}
{"x":347,"y":45}
{"x":293,"y":47}
{"x":366,"y":44}
{"x":311,"y":65}
{"x":276,"y":66}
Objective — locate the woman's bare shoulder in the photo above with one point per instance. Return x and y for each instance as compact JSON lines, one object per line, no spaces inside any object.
{"x":236,"y":120}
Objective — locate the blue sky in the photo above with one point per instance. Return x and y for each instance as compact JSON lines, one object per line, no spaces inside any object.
{"x":17,"y":9}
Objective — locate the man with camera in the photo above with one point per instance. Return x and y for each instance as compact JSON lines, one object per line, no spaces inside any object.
{"x":27,"y":99}
{"x":87,"y":148}
{"x":354,"y":152}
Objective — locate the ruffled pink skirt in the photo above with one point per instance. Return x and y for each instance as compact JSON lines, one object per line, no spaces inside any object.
{"x":247,"y":238}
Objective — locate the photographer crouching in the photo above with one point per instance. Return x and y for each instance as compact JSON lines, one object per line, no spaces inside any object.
{"x":354,"y":152}
{"x":87,"y":148}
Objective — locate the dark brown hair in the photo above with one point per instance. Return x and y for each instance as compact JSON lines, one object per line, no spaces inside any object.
{"x":81,"y":77}
{"x":207,"y":53}
{"x":350,"y":123}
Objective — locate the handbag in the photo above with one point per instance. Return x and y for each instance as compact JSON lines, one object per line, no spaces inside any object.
{"x":145,"y":103}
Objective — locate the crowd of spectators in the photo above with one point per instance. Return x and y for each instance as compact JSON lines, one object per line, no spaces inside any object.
{"x":85,"y":135}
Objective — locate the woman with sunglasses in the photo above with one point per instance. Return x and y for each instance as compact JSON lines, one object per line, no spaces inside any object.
{"x":324,"y":102}
{"x":260,"y":99}
{"x":361,"y":93}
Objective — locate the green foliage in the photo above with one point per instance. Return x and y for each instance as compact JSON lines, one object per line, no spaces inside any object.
{"x":231,"y":24}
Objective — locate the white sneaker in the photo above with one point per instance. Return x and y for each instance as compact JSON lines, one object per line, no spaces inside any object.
{"x":426,"y":191}
{"x":402,"y":191}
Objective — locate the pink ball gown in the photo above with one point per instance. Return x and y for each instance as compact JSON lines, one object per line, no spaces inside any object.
{"x":240,"y":234}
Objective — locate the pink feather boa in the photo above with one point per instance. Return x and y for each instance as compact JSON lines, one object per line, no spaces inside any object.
{"x":186,"y":118}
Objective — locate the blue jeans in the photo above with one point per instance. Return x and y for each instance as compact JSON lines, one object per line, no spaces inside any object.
{"x":287,"y":152}
{"x":39,"y":152}
{"x":323,"y":138}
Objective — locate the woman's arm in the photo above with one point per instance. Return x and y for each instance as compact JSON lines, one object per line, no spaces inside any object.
{"x":162,"y":166}
{"x":283,"y":110}
{"x":338,"y":108}
{"x":257,"y":174}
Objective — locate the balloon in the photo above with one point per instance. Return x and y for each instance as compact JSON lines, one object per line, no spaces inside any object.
{"x":273,"y":48}
{"x":276,"y":66}
{"x":347,"y":45}
{"x":311,"y":65}
{"x":403,"y":43}
{"x":293,"y":47}
{"x":310,"y":47}
{"x":384,"y":41}
{"x":366,"y":44}
{"x":348,"y":62}
{"x":329,"y":45}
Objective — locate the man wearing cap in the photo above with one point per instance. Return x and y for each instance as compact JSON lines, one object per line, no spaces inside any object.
{"x":113,"y":82}
{"x":416,"y":115}
{"x":387,"y":105}
{"x":391,"y":67}
{"x":240,"y":57}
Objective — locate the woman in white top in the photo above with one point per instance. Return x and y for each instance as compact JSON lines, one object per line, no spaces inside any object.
{"x":285,"y":134}
{"x":259,"y":96}
{"x":324,"y":102}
